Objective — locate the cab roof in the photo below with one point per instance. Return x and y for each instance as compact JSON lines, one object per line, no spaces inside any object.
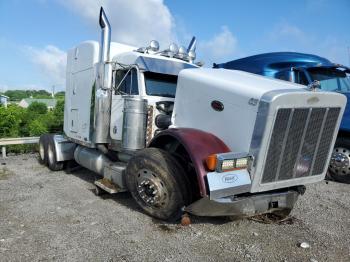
{"x":276,"y":61}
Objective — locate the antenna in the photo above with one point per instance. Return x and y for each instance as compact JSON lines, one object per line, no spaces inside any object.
{"x":349,"y":54}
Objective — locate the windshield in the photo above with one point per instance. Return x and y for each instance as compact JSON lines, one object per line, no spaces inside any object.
{"x":160,"y":84}
{"x":331,"y":79}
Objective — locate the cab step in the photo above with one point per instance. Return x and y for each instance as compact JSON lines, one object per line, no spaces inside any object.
{"x":107,"y":186}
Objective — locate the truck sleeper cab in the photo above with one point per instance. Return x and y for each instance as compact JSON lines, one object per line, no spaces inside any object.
{"x":185,"y":139}
{"x":305,"y":69}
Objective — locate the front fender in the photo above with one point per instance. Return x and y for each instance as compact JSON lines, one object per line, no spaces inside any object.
{"x":198,"y":144}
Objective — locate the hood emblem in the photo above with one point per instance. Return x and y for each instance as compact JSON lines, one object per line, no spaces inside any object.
{"x":230,"y":178}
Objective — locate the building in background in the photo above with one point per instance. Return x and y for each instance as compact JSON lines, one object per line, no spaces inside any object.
{"x":3,"y":100}
{"x":50,"y":103}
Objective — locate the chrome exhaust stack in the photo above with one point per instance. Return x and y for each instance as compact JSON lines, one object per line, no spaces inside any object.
{"x":192,"y":45}
{"x":105,"y":44}
{"x":103,"y":84}
{"x":191,"y":50}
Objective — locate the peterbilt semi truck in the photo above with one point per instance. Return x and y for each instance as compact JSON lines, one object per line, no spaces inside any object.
{"x":180,"y":138}
{"x":308,"y":69}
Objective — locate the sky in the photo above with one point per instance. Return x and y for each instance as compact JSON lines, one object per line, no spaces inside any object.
{"x":35,"y":34}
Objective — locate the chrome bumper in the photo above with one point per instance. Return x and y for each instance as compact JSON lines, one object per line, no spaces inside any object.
{"x":244,"y":206}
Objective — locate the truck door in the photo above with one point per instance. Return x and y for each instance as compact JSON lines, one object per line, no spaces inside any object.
{"x":125,"y":83}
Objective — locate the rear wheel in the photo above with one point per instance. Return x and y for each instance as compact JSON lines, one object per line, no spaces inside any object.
{"x":52,"y":162}
{"x":43,"y":149}
{"x":158,"y":183}
{"x":339,"y":166}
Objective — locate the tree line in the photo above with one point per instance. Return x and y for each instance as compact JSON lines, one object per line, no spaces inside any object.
{"x":35,"y":120}
{"x":17,"y":95}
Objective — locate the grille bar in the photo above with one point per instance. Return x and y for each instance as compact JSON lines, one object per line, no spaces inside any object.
{"x":326,"y":140}
{"x":274,"y":150}
{"x":302,"y":140}
{"x":318,"y":141}
{"x":285,"y":139}
{"x":300,"y":143}
{"x":293,"y":143}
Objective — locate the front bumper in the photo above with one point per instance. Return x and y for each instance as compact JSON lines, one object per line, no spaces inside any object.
{"x":244,"y":206}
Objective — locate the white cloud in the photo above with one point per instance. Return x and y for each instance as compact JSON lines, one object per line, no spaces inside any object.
{"x":133,"y":22}
{"x":51,"y":61}
{"x":3,"y":88}
{"x":335,"y":50}
{"x":137,"y":22}
{"x":288,"y":37}
{"x":221,"y":47}
{"x":288,"y":32}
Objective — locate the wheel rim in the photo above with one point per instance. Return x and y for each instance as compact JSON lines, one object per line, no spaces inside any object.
{"x":41,"y":151}
{"x":340,"y":161}
{"x":50,"y":155}
{"x":151,"y":188}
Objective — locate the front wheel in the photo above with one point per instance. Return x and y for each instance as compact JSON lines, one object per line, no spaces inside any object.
{"x":158,"y":183}
{"x":339,"y":166}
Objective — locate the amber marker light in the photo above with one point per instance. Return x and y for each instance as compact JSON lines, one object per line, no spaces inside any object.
{"x":211,"y":162}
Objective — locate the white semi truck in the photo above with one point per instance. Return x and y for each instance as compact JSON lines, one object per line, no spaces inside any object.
{"x":180,"y":138}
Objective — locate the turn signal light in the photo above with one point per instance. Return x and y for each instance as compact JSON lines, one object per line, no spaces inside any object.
{"x":211,"y":162}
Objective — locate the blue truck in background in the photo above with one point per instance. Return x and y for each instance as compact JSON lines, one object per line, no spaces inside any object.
{"x":308,"y":70}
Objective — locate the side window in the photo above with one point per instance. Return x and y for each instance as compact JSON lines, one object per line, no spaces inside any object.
{"x":300,"y":78}
{"x":126,"y":82}
{"x":283,"y":75}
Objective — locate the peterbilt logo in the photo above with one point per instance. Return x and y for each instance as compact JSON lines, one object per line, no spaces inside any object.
{"x":313,"y":100}
{"x":230,"y":178}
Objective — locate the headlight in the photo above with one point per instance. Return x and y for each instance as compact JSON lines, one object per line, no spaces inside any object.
{"x":228,"y":164}
{"x":239,"y":163}
{"x":242,"y":162}
{"x":228,"y":161}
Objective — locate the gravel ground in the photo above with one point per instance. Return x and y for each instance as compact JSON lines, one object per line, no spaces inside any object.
{"x":47,"y":215}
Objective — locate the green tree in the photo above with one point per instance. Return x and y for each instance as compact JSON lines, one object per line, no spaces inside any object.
{"x":56,"y":118}
{"x":37,"y":127}
{"x":37,"y":108}
{"x":60,"y":94}
{"x":17,"y":95}
{"x":11,"y":119}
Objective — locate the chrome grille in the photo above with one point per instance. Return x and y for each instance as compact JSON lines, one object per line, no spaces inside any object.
{"x":298,"y":136}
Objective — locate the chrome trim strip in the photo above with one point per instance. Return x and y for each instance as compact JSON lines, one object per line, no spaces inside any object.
{"x":259,"y":130}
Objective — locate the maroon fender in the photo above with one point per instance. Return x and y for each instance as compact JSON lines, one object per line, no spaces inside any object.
{"x":198,"y":144}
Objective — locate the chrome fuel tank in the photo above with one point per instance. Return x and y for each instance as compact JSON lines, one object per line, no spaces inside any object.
{"x":134,"y":123}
